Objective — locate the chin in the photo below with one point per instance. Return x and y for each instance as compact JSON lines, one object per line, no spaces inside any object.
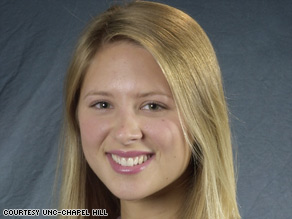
{"x":130,"y":194}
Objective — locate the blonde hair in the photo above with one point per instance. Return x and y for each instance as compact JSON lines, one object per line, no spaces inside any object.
{"x":188,"y":61}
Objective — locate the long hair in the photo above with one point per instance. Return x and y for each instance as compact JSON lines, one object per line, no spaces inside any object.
{"x":187,"y":59}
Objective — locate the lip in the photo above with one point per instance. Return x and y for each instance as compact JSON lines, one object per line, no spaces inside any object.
{"x":129,"y":153}
{"x":127,"y":169}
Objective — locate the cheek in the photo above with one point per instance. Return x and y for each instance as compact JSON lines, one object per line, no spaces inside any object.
{"x":93,"y":131}
{"x":166,"y":134}
{"x":169,"y":144}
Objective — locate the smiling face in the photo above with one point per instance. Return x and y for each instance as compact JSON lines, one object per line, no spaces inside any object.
{"x":130,"y":130}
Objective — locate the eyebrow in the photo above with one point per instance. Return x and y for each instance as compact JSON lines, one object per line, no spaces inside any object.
{"x":98,"y":93}
{"x":153,"y":93}
{"x":139,"y":95}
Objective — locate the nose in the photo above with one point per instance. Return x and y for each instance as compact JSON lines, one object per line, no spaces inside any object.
{"x":127,"y":129}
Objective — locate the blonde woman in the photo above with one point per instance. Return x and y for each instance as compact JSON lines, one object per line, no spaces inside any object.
{"x":146,"y":125}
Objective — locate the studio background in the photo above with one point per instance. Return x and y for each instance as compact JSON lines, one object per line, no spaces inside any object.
{"x":253,"y":42}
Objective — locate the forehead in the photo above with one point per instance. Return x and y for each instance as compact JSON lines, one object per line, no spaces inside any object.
{"x":124,"y":65}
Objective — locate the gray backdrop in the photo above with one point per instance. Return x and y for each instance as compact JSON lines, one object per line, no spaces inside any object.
{"x":253,"y":40}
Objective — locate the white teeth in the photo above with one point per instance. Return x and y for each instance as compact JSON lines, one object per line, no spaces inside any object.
{"x":140,"y":159}
{"x":114,"y":157}
{"x":136,"y":160}
{"x":123,"y":161}
{"x":131,"y":161}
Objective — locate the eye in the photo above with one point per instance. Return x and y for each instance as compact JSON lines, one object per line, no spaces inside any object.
{"x":153,"y":107}
{"x":102,"y":105}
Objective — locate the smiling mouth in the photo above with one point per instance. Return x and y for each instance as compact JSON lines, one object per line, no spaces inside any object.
{"x":130,"y":161}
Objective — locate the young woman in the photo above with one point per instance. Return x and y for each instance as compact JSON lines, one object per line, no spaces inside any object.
{"x":146,"y":125}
